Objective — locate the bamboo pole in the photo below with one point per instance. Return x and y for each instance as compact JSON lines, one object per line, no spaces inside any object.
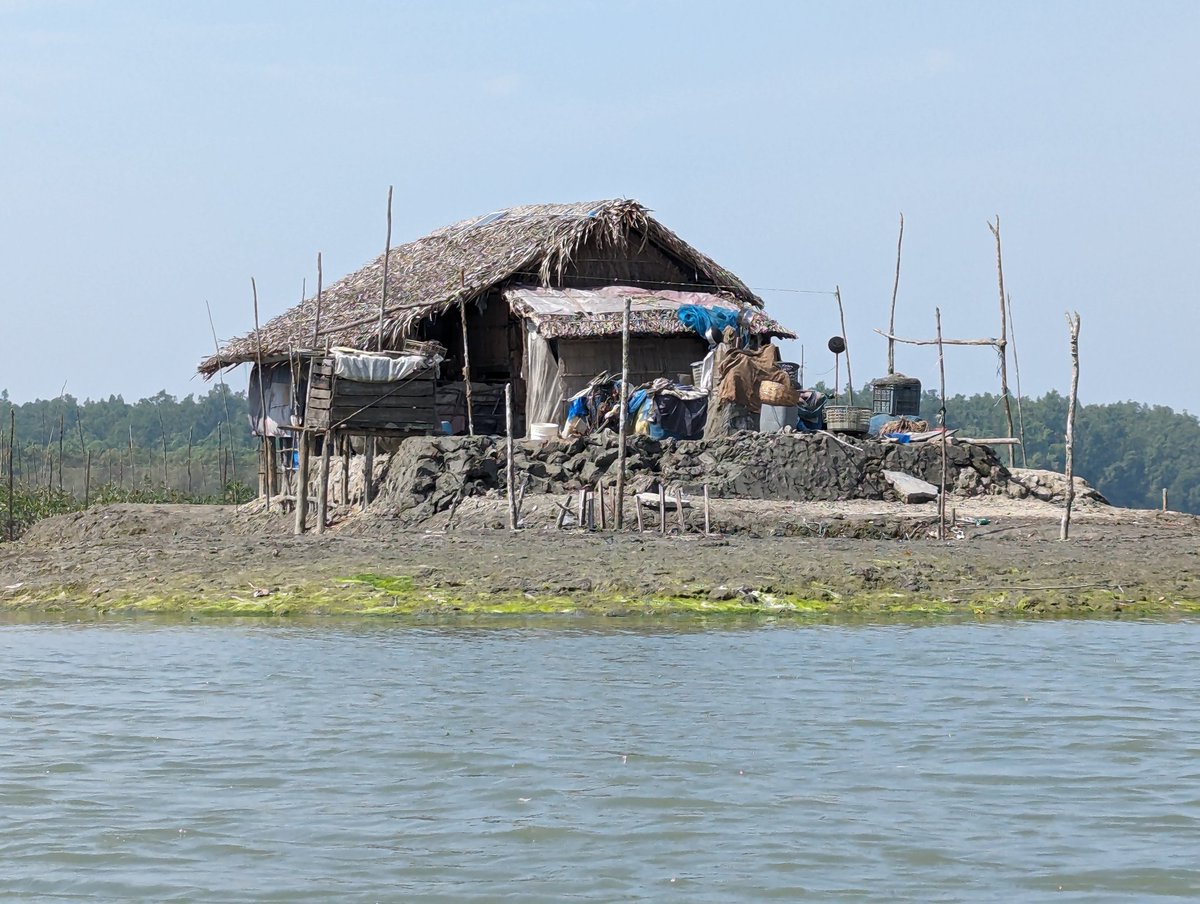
{"x":1012,"y":337}
{"x":942,"y":417}
{"x":837,"y":293}
{"x":583,"y":508}
{"x":895,"y":289}
{"x":603,"y":507}
{"x":1164,"y":499}
{"x":511,"y":464}
{"x":462,"y":315}
{"x":189,"y":462}
{"x":262,"y":400}
{"x":345,"y":470}
{"x":637,"y":510}
{"x":1073,"y":326}
{"x":317,"y":318}
{"x":662,"y":509}
{"x":679,"y":511}
{"x":302,"y":482}
{"x":323,"y":493}
{"x":387,"y":251}
{"x":707,"y":518}
{"x":1002,"y":342}
{"x":992,"y":342}
{"x":12,"y":440}
{"x":62,"y":423}
{"x":623,"y":417}
{"x":224,"y":393}
{"x":162,"y":432}
{"x":87,"y":480}
{"x":132,"y":467}
{"x":368,"y":469}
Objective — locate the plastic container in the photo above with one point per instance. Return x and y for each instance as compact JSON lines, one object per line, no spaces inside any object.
{"x":775,"y":417}
{"x":543,"y":432}
{"x":897,"y":395}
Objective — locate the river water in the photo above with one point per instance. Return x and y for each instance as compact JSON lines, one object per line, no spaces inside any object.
{"x":578,"y":761}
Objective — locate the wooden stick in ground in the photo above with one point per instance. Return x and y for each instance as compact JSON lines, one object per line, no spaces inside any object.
{"x":1012,"y":337}
{"x":895,"y":288}
{"x":1164,"y":499}
{"x":942,"y":396}
{"x":458,"y":498}
{"x":679,"y":511}
{"x":317,"y":318}
{"x":62,"y":424}
{"x":583,"y":508}
{"x":224,"y":390}
{"x":368,"y":469}
{"x":323,"y":481}
{"x":305,"y":439}
{"x":637,"y":508}
{"x":387,"y":251}
{"x":591,"y":509}
{"x":1073,"y":325}
{"x":662,"y":509}
{"x":87,"y":480}
{"x":462,"y":315}
{"x":511,"y":464}
{"x":1002,"y":342}
{"x":837,"y":293}
{"x":563,"y":511}
{"x":189,"y":462}
{"x":603,"y":506}
{"x":162,"y":429}
{"x":622,"y":419}
{"x":12,"y":440}
{"x":262,"y":398}
{"x":707,"y":519}
{"x":345,"y":470}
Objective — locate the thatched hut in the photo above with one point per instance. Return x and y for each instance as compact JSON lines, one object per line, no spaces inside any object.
{"x":543,"y":287}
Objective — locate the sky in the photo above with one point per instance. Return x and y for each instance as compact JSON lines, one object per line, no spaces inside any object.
{"x":154,"y":157}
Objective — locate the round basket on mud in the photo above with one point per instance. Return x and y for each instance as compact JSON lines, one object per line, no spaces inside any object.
{"x":773,"y":393}
{"x":847,"y":419}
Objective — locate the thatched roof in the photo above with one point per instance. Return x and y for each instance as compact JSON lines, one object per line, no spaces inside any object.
{"x":466,"y":260}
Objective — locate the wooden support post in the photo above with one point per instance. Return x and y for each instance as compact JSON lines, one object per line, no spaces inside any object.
{"x":345,"y":469}
{"x":679,"y":511}
{"x":323,"y":482}
{"x":707,"y":519}
{"x":837,"y":293}
{"x":942,"y":389}
{"x":662,"y":509}
{"x":262,"y":400}
{"x":1164,"y":499}
{"x":591,"y":509}
{"x":462,"y":314}
{"x":87,"y":480}
{"x":895,"y":288}
{"x":583,"y":508}
{"x":12,"y":435}
{"x":623,"y":417}
{"x":511,"y":464}
{"x":603,"y":507}
{"x":1002,"y":342}
{"x":1073,"y":325}
{"x":368,"y":469}
{"x":305,"y":439}
{"x":387,"y":251}
{"x":637,"y":508}
{"x":563,"y":511}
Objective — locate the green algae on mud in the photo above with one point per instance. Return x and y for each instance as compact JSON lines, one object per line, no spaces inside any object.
{"x":401,"y":596}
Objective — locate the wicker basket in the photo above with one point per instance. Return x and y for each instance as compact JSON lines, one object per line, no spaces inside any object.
{"x":773,"y":393}
{"x":847,"y":419}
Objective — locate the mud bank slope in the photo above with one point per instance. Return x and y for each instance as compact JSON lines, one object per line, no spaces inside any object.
{"x":859,"y":558}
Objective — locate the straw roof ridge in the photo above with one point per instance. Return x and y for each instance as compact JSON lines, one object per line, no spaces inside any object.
{"x":460,"y":262}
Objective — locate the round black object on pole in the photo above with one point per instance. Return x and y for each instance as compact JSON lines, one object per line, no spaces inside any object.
{"x":837,"y":345}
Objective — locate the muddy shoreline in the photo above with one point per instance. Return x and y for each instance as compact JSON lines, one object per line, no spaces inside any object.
{"x":858,"y":559}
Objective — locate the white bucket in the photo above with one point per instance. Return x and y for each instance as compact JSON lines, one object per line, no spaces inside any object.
{"x":543,"y":432}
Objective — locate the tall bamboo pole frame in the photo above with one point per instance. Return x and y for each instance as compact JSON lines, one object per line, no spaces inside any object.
{"x":262,"y":400}
{"x":1002,"y":342}
{"x":837,"y":293}
{"x":622,"y":419}
{"x":1073,"y":326}
{"x":895,"y":289}
{"x":466,"y":371}
{"x":942,"y":413}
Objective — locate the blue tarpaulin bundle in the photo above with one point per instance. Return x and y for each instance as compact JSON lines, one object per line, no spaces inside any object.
{"x":708,"y":323}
